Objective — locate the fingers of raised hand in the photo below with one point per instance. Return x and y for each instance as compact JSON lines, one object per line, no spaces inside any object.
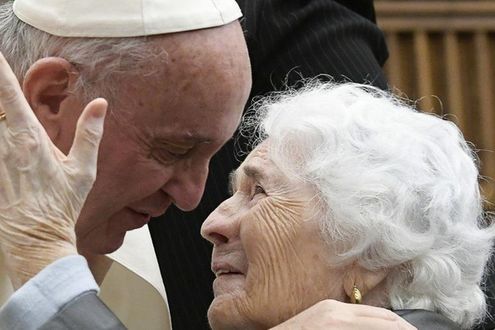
{"x":84,"y":152}
{"x":22,"y":137}
{"x":25,"y":162}
{"x":12,"y":100}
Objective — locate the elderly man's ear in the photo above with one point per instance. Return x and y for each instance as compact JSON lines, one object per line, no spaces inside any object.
{"x":371,"y":284}
{"x":47,"y":86}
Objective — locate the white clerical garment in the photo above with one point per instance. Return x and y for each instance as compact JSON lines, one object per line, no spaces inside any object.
{"x":133,"y":287}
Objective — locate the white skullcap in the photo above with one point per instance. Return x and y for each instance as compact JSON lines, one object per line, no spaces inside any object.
{"x":124,"y":18}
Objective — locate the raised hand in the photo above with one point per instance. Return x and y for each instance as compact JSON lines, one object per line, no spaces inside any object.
{"x":42,"y":191}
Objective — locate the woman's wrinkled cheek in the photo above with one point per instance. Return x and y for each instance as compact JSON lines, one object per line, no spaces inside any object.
{"x":269,"y":239}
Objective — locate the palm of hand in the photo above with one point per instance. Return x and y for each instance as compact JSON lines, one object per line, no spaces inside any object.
{"x":42,"y":191}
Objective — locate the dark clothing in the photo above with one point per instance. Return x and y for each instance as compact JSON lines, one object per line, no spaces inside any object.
{"x":426,"y":320}
{"x":287,"y":40}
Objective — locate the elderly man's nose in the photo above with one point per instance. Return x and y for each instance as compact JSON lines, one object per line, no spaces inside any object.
{"x":187,"y":187}
{"x":220,"y":226}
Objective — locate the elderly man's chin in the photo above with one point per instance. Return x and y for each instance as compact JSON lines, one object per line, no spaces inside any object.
{"x":109,"y":235}
{"x":120,"y":223}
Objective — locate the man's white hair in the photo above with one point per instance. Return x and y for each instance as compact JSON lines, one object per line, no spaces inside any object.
{"x":398,"y":190}
{"x":98,"y":60}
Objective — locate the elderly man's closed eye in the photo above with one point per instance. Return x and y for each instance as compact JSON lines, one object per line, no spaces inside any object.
{"x":349,"y":189}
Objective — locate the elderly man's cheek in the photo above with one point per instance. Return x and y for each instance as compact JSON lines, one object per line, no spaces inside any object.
{"x":275,"y":268}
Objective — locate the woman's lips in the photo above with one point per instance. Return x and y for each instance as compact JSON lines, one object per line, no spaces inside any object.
{"x":230,"y":267}
{"x":220,"y":268}
{"x":226,"y":272}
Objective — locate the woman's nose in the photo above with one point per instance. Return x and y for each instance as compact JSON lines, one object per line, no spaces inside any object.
{"x":222,"y":225}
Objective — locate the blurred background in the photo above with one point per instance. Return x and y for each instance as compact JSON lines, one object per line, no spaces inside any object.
{"x":442,"y":53}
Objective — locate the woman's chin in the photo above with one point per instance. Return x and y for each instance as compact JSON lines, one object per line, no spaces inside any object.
{"x":223,"y":314}
{"x":229,"y":285}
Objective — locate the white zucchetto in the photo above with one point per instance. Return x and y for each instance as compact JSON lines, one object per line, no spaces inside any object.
{"x":124,"y":18}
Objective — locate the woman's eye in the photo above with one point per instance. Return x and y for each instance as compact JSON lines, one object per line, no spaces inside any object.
{"x":258,"y":190}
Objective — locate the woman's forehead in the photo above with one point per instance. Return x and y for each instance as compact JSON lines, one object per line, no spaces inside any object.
{"x":258,"y":161}
{"x":260,"y":167}
{"x":256,"y":165}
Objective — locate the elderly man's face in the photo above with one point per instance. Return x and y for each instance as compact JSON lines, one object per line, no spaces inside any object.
{"x":156,"y":147}
{"x":269,"y":259}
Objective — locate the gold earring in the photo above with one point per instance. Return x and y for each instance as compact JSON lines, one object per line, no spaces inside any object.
{"x":356,"y":296}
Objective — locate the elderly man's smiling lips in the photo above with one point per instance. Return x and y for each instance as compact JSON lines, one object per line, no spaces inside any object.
{"x":142,"y":215}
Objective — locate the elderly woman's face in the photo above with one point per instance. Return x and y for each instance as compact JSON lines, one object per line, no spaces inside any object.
{"x":269,"y":260}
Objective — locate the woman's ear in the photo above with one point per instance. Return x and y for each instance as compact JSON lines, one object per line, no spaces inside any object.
{"x":46,"y":84}
{"x":365,"y":280}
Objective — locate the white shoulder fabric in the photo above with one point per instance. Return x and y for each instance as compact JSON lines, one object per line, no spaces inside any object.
{"x":133,"y":287}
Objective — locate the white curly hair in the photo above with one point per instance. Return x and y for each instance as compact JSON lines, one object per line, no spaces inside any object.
{"x":398,"y":189}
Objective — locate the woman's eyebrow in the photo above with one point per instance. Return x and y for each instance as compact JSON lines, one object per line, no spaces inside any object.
{"x":250,"y":171}
{"x":253,"y":172}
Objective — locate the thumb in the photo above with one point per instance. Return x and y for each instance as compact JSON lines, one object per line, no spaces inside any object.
{"x":84,"y":151}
